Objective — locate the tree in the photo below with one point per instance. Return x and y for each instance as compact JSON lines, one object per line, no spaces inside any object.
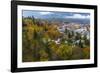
{"x":64,"y":52}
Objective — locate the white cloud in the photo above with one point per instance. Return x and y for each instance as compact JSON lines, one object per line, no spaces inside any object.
{"x":79,"y":16}
{"x":45,"y":13}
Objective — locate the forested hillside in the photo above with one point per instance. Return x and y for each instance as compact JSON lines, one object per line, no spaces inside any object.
{"x":49,"y":41}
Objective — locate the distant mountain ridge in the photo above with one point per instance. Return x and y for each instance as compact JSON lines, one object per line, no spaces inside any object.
{"x":70,"y":20}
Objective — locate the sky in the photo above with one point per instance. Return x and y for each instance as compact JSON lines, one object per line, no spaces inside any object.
{"x":48,"y":14}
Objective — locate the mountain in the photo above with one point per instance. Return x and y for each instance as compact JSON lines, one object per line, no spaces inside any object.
{"x":69,"y":20}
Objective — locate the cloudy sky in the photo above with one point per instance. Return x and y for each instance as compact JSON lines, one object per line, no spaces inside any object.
{"x":47,"y":14}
